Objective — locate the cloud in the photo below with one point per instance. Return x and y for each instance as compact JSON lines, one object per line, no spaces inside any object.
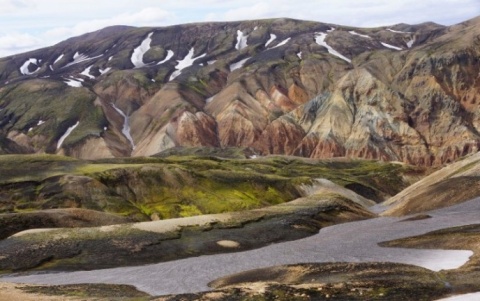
{"x":18,"y":42}
{"x":12,"y":6}
{"x":146,"y":17}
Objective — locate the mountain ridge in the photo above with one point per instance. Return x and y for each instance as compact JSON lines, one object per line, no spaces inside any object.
{"x":280,"y":86}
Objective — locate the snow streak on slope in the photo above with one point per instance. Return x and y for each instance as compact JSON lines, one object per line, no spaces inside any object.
{"x":126,"y":126}
{"x":137,"y":55}
{"x":396,"y":31}
{"x":410,"y":43}
{"x":272,"y":38}
{"x":80,"y":57}
{"x":24,"y":67}
{"x":186,"y":62}
{"x":299,"y":54}
{"x":241,"y":40}
{"x":168,"y":57}
{"x":67,"y":133}
{"x":58,"y":59}
{"x":86,"y":72}
{"x":76,"y":83}
{"x":320,"y":39}
{"x":358,"y":34}
{"x":103,"y":71}
{"x":390,"y":46}
{"x":238,"y":64}
{"x":282,"y":43}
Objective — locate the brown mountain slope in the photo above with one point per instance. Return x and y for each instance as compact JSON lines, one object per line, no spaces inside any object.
{"x":403,"y":93}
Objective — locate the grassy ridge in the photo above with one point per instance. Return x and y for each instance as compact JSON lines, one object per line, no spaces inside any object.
{"x":179,"y":186}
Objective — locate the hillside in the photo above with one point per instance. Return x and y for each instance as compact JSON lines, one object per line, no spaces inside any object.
{"x":279,"y":86}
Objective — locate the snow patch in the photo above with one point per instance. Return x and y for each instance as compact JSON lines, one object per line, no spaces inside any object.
{"x":320,"y":39}
{"x":40,"y":122}
{"x":186,"y":62}
{"x":390,"y":46}
{"x":58,"y":59}
{"x":24,"y":67}
{"x":67,"y":133}
{"x":110,"y":58}
{"x":86,"y":72}
{"x":241,"y":40}
{"x":281,"y":43}
{"x":137,"y":55}
{"x":76,"y":83}
{"x":211,"y":62}
{"x":359,"y":34}
{"x":299,"y":54}
{"x":51,"y":68}
{"x":238,"y":64}
{"x":396,"y":31}
{"x":103,"y":71}
{"x":464,"y":297}
{"x":272,"y":38}
{"x":210,"y":98}
{"x":126,"y":126}
{"x":410,"y":43}
{"x":255,"y":28}
{"x":168,"y":57}
{"x":80,"y":57}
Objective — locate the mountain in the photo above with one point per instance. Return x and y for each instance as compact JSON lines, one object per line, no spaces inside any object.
{"x":280,"y":86}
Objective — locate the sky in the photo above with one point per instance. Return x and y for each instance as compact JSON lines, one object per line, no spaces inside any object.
{"x":32,"y":24}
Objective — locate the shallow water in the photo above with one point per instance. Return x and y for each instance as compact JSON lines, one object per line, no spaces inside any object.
{"x":349,"y":242}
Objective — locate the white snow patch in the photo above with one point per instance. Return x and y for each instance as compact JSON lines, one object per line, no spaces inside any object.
{"x":105,"y":128}
{"x":67,"y":133}
{"x":30,"y":129}
{"x":331,"y":29}
{"x":86,"y":72}
{"x":320,"y":39}
{"x":152,"y":80}
{"x":126,"y":126}
{"x":272,"y":38}
{"x":396,"y":31}
{"x":186,"y":62}
{"x":451,"y":260}
{"x":390,"y":46}
{"x":40,"y":122}
{"x":168,"y":57}
{"x":238,"y":64}
{"x":51,"y":68}
{"x":299,"y":54}
{"x":410,"y":43}
{"x":103,"y":71}
{"x":210,"y":98}
{"x":281,"y":43}
{"x":211,"y":62}
{"x":241,"y":40}
{"x":359,"y":34}
{"x":58,"y":59}
{"x":464,"y":297}
{"x":110,"y":58}
{"x":80,"y":57}
{"x":24,"y":67}
{"x":255,"y":28}
{"x":137,"y":55}
{"x":76,"y":83}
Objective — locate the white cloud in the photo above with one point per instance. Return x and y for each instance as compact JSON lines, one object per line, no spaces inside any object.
{"x":18,"y":42}
{"x":11,"y":6}
{"x":146,"y":17}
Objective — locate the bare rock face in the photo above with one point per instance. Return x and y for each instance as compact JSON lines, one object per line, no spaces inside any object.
{"x":403,"y":93}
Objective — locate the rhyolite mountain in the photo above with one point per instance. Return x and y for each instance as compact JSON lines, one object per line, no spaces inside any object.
{"x":405,"y":93}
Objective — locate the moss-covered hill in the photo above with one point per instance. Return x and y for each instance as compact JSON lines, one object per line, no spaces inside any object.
{"x":178,"y":186}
